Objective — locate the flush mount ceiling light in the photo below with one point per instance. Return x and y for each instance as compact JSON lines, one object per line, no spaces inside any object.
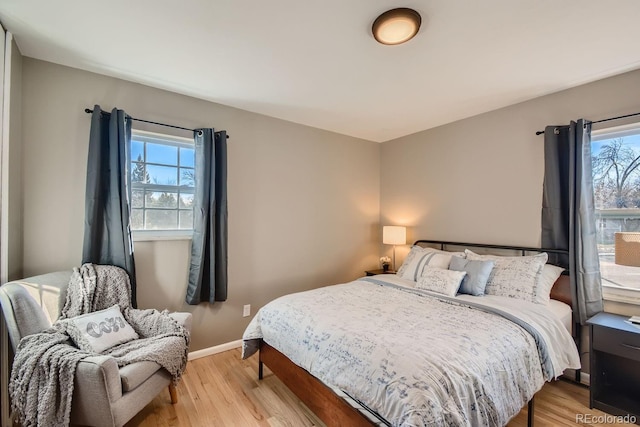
{"x":396,"y":26}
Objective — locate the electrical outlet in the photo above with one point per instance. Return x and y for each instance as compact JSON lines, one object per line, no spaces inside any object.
{"x":246,"y":310}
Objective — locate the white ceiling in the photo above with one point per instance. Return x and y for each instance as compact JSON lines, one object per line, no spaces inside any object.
{"x":316,"y":62}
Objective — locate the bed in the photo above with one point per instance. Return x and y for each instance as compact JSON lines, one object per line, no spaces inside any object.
{"x":389,"y":350}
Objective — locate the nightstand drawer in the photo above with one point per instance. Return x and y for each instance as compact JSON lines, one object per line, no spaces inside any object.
{"x":616,"y":342}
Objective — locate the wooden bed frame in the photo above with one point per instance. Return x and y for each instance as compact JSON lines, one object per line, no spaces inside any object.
{"x":335,"y":411}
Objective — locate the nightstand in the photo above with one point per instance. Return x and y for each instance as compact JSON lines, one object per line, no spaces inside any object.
{"x":615,"y":365}
{"x":379,"y":271}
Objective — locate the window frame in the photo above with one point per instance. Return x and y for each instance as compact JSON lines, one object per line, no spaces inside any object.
{"x":618,"y":293}
{"x":167,"y":140}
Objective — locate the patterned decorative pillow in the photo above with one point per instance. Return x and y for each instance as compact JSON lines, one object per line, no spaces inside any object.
{"x":99,"y":331}
{"x":478,"y":272}
{"x":419,"y":258}
{"x":513,"y":276}
{"x":441,"y":280}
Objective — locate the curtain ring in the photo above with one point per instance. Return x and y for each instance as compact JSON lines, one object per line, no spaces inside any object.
{"x":200,"y":133}
{"x":556,"y":131}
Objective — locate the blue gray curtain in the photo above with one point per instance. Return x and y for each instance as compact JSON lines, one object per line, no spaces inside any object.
{"x":568,"y":212}
{"x":208,"y":268}
{"x":107,"y":228}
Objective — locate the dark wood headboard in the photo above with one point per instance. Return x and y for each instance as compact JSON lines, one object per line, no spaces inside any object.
{"x":561,"y":290}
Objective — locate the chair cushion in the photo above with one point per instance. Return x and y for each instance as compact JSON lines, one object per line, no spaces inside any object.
{"x":135,"y":374}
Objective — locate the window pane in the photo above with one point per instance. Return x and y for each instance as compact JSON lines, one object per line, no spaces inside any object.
{"x":165,"y":154}
{"x":137,"y":198}
{"x":186,"y":200}
{"x":163,"y":183}
{"x":137,"y":151}
{"x":165,"y":175}
{"x":616,"y":185}
{"x":187,"y":157}
{"x":138,"y":174}
{"x":187,"y":177}
{"x":137,"y":219}
{"x":161,"y":219}
{"x":159,"y":199}
{"x":186,"y":219}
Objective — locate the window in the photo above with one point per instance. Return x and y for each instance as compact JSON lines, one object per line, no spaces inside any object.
{"x":162,"y":183}
{"x":616,"y":182}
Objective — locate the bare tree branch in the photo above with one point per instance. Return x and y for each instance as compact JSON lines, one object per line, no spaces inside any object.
{"x":616,"y":169}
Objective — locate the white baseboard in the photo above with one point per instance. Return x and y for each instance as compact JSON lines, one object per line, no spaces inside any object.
{"x":215,"y":349}
{"x":570,"y":374}
{"x":585,"y":378}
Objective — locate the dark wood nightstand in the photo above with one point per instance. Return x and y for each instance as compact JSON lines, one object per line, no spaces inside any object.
{"x":379,"y":271}
{"x":615,"y":365}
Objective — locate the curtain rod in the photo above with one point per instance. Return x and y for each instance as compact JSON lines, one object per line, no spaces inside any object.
{"x":540,"y":132}
{"x":90,"y":111}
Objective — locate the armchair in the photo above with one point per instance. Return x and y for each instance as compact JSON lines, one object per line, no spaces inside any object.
{"x":103,"y":395}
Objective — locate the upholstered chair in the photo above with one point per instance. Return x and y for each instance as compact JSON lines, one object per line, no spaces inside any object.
{"x":103,"y":395}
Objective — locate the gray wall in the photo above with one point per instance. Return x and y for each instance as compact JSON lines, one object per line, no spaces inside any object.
{"x":303,"y":203}
{"x":480,"y":179}
{"x":15,"y":158}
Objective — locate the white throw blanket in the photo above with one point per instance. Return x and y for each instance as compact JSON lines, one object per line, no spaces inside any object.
{"x":43,"y":372}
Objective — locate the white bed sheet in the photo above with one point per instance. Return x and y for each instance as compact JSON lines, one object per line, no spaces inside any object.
{"x":563,"y":312}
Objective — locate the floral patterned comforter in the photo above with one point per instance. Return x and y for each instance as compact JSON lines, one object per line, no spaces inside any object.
{"x":415,"y":358}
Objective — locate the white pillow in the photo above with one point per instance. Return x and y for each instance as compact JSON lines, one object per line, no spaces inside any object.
{"x":514,"y":276}
{"x":419,"y":258}
{"x":550,"y":274}
{"x":440,"y":280}
{"x":99,"y":331}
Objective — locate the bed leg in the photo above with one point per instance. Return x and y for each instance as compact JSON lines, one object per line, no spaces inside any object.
{"x":578,"y":376}
{"x":530,"y":413}
{"x":260,"y":372}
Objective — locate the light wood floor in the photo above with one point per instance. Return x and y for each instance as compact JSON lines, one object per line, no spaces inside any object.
{"x":223,"y":390}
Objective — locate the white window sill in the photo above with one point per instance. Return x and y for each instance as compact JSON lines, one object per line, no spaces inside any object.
{"x":620,"y":294}
{"x":160,"y":235}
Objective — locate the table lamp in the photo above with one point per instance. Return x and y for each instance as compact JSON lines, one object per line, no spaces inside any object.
{"x":394,"y":235}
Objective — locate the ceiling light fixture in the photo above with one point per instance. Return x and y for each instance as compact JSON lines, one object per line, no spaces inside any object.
{"x":396,"y":26}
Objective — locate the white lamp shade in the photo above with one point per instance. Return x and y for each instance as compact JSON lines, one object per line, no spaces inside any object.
{"x":394,"y":235}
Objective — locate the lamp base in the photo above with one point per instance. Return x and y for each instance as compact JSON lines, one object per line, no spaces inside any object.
{"x":394,"y":258}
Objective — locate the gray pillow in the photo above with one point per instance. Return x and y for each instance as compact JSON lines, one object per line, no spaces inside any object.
{"x":477,"y":276}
